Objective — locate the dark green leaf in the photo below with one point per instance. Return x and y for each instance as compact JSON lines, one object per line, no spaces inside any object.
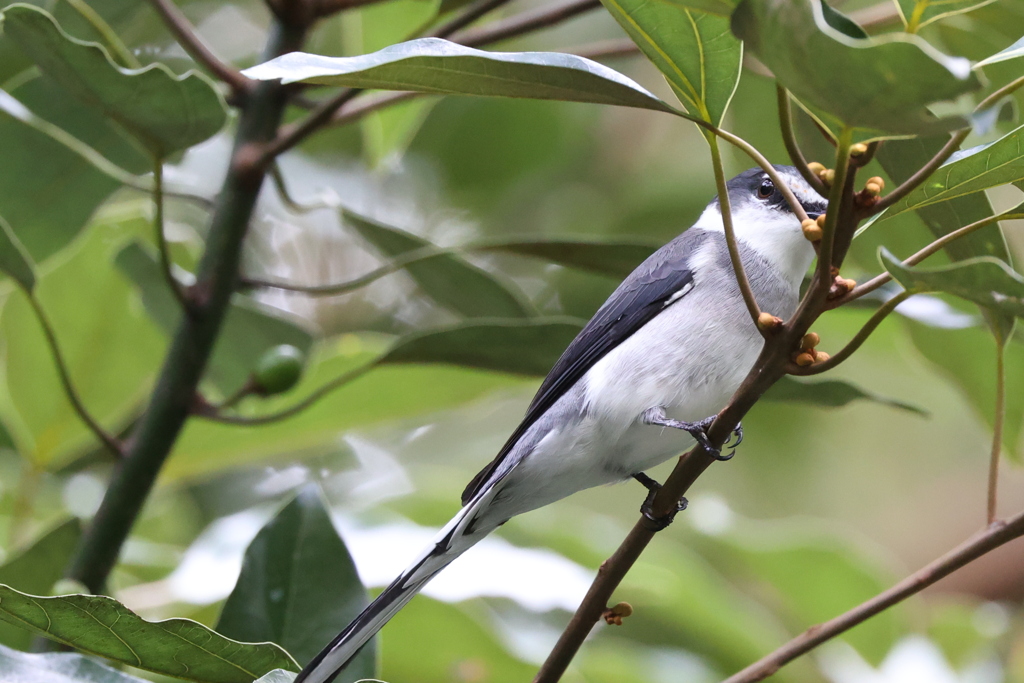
{"x":450,"y":280}
{"x":695,"y":52}
{"x":298,"y":587}
{"x":720,"y":7}
{"x":972,"y":170}
{"x":250,"y":328}
{"x":1013,"y":52}
{"x":513,"y":346}
{"x":35,"y":570}
{"x":21,"y":667}
{"x":99,"y":625}
{"x":887,"y":83}
{"x":919,"y":13}
{"x":986,"y":281}
{"x":614,"y":258}
{"x":841,"y":22}
{"x":432,"y":65}
{"x":829,"y":393}
{"x":163,"y":112}
{"x":14,"y":261}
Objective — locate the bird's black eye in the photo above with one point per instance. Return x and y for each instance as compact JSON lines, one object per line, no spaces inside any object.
{"x":766,"y":190}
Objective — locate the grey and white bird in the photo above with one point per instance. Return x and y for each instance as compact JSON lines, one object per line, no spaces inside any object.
{"x":666,"y":350}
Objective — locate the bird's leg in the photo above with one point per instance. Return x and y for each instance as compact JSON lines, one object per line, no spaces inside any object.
{"x":647,"y":509}
{"x":698,"y":430}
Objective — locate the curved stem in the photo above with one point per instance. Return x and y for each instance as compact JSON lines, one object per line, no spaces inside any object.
{"x":997,"y":534}
{"x":468,"y":16}
{"x":730,"y":234}
{"x":835,"y":199}
{"x":396,"y":264}
{"x":282,"y":191}
{"x":115,"y":446}
{"x":999,"y":94}
{"x":166,"y":265}
{"x":185,"y":33}
{"x":298,"y":132}
{"x":291,"y":411}
{"x":862,"y":335}
{"x":789,"y":139}
{"x":525,"y":22}
{"x":879,"y":280}
{"x":997,"y":428}
{"x":110,"y":39}
{"x":922,"y":174}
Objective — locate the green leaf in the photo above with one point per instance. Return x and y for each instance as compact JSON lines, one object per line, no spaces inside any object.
{"x":450,"y":280}
{"x":966,"y":357}
{"x":1013,"y":52}
{"x":111,"y":349}
{"x":721,"y":7}
{"x":249,"y":330}
{"x":21,"y":667}
{"x":969,"y":171}
{"x":830,"y":394}
{"x":696,"y":52}
{"x":36,"y":570}
{"x":278,"y":676}
{"x":887,"y":82}
{"x":298,"y":587}
{"x":512,"y":346}
{"x":917,"y":14}
{"x":841,"y":22}
{"x":389,"y":392}
{"x":433,"y":65}
{"x":616,"y":258}
{"x":14,"y":261}
{"x":99,"y":625}
{"x":165,"y":113}
{"x":986,"y":281}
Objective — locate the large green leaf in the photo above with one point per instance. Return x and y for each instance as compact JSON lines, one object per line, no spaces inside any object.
{"x":829,"y":394}
{"x":250,"y":328}
{"x":111,"y":349}
{"x":298,"y":587}
{"x":98,"y":625}
{"x":986,"y":281}
{"x":449,"y":279}
{"x":433,"y":65}
{"x":14,"y":261}
{"x":35,"y":570}
{"x":617,"y":258}
{"x":163,"y":112}
{"x":524,"y":348}
{"x":696,"y":52}
{"x":896,"y":76}
{"x":969,"y":171}
{"x":917,"y":14}
{"x":966,"y":357}
{"x":54,"y":667}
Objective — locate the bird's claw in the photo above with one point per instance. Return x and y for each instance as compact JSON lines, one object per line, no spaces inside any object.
{"x":657,"y":523}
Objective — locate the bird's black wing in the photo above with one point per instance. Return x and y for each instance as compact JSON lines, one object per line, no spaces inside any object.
{"x":657,"y":283}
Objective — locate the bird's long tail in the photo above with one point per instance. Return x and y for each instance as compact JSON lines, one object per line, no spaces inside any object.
{"x":456,"y":538}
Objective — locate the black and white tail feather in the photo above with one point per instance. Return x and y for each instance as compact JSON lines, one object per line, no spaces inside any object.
{"x":458,"y":536}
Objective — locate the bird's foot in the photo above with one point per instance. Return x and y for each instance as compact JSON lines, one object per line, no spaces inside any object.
{"x":698,"y":430}
{"x":647,"y":509}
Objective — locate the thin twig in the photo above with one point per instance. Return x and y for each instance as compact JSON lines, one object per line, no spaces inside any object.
{"x":606,"y":49}
{"x":922,"y":174}
{"x":997,"y":428}
{"x":111,"y":41}
{"x":333,"y":289}
{"x":286,"y":197}
{"x":166,"y":265}
{"x":730,"y":234}
{"x":291,"y":411}
{"x":526,"y":22}
{"x":296,"y":133}
{"x":997,"y":534}
{"x":879,"y":280}
{"x":862,"y":335}
{"x":179,"y":25}
{"x":789,"y":139}
{"x":325,"y":8}
{"x":835,"y":199}
{"x":115,"y":446}
{"x":467,"y":17}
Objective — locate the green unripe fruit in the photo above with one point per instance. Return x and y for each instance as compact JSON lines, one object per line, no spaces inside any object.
{"x":278,"y":370}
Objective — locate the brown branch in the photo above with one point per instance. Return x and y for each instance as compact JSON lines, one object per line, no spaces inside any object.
{"x":471,"y":14}
{"x":526,"y":22}
{"x":179,"y":25}
{"x":997,"y":534}
{"x":789,"y":139}
{"x":289,"y":136}
{"x":606,"y":49}
{"x":325,"y":8}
